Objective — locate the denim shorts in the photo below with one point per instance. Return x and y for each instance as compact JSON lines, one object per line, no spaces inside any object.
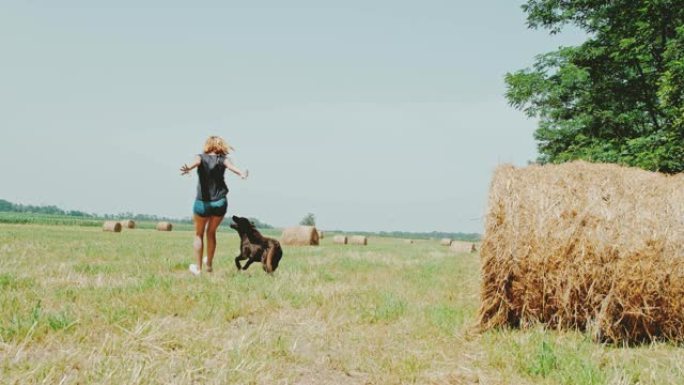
{"x":210,"y":208}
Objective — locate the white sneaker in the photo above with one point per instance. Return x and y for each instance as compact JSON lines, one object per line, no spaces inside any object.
{"x":193,"y":269}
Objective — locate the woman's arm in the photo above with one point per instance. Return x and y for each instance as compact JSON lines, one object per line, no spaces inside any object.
{"x":186,"y":169}
{"x":230,"y":166}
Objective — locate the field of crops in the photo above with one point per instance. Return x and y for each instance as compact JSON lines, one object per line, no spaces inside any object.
{"x":78,"y":305}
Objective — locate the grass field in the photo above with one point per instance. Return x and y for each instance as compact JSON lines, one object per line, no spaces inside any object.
{"x":80,"y":306}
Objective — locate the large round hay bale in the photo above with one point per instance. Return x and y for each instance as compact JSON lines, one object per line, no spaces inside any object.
{"x":462,"y":247}
{"x":340,"y":239}
{"x":300,"y":236}
{"x":164,"y":226}
{"x":358,"y":240}
{"x":127,"y":224}
{"x":589,"y":246}
{"x":445,"y":242}
{"x":112,"y":226}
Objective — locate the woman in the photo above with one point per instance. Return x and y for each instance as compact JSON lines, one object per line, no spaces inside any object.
{"x":210,"y":204}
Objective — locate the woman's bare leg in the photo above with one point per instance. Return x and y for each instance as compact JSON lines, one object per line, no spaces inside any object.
{"x":212,"y":226}
{"x":198,"y":244}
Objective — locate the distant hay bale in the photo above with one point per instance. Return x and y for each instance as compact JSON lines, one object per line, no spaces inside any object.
{"x":300,"y":236}
{"x":164,"y":226}
{"x":112,"y":226}
{"x":445,"y":242}
{"x":594,"y":247}
{"x":340,"y":239}
{"x":127,"y":224}
{"x":408,"y":241}
{"x":462,"y":247}
{"x":358,"y":240}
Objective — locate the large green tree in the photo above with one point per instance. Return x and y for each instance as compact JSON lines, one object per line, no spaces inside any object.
{"x":619,"y":96}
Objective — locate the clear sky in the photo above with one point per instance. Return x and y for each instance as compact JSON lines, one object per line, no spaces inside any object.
{"x":373,"y":115}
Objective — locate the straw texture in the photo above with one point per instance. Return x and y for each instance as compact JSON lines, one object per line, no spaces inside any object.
{"x":164,"y":226}
{"x":589,"y":246}
{"x":112,"y":226}
{"x":127,"y":224}
{"x":358,"y":240}
{"x":300,"y":236}
{"x":462,"y":247}
{"x":340,"y":239}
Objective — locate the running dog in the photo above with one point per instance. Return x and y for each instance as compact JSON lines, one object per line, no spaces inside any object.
{"x":255,"y":247}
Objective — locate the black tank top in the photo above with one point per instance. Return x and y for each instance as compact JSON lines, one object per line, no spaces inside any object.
{"x":211,"y":185}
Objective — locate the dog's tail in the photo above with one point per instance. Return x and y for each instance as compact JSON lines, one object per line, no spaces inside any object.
{"x":273,"y":255}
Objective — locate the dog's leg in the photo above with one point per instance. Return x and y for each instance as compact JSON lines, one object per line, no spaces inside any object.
{"x":238,"y":259}
{"x":249,"y":262}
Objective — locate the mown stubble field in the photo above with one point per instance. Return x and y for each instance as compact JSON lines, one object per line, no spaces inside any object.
{"x":79,"y":306}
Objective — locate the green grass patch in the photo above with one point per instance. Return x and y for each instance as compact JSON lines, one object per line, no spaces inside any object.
{"x":382,"y":307}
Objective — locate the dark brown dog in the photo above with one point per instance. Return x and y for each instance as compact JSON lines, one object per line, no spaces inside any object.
{"x":255,"y":247}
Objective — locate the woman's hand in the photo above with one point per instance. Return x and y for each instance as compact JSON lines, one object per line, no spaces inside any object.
{"x":185,"y":169}
{"x":244,"y":174}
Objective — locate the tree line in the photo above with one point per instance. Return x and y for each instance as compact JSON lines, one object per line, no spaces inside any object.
{"x":468,"y":237}
{"x":7,"y":206}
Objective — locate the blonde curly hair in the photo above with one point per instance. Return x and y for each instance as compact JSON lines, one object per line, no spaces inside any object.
{"x":216,"y":145}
